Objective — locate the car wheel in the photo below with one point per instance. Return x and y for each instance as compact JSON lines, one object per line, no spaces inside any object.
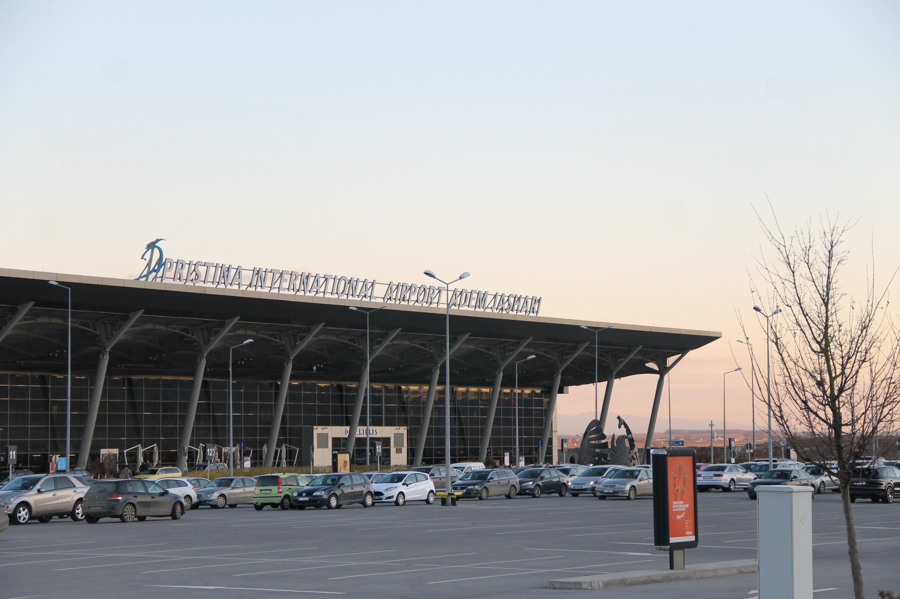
{"x":45,"y":519}
{"x":188,"y":503}
{"x":632,"y":494}
{"x":177,"y":511}
{"x":221,"y":501}
{"x":332,"y":502}
{"x":888,"y":495}
{"x":22,"y":514}
{"x":258,"y":507}
{"x":536,"y":492}
{"x":430,"y":499}
{"x":128,"y":513}
{"x":731,"y":485}
{"x":821,"y":488}
{"x":77,"y":513}
{"x":368,"y":500}
{"x":483,"y":494}
{"x":512,"y":493}
{"x":91,"y":520}
{"x":286,"y":503}
{"x":401,"y":499}
{"x":563,"y":490}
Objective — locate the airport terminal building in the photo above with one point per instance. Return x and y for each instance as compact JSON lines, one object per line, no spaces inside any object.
{"x":150,"y":367}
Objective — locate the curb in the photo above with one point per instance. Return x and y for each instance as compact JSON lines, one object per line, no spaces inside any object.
{"x":638,"y":577}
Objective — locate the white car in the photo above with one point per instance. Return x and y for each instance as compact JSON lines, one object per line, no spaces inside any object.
{"x":727,"y":477}
{"x":400,"y":487}
{"x":464,"y":467}
{"x":181,"y":487}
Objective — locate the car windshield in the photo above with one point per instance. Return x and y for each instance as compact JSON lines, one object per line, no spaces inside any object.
{"x":268,"y":481}
{"x":718,"y":468}
{"x":422,"y":469}
{"x":756,"y":467}
{"x":325,"y":480}
{"x":23,"y":483}
{"x":392,"y":478}
{"x":611,"y":473}
{"x":594,"y":472}
{"x":530,"y":474}
{"x":221,"y":482}
{"x":474,"y":475}
{"x":100,"y":488}
{"x":777,"y":474}
{"x":630,"y":474}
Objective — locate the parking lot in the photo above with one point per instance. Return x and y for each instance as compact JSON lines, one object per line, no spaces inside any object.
{"x":493,"y":548}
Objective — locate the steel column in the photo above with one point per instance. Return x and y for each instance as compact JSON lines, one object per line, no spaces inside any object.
{"x":607,"y":393}
{"x":495,"y":394}
{"x":551,"y":405}
{"x":651,"y":427}
{"x":426,"y":414}
{"x":360,"y":393}
{"x":23,"y":308}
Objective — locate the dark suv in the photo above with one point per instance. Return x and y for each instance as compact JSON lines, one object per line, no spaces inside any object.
{"x":487,"y":483}
{"x":878,"y":484}
{"x":335,"y":490}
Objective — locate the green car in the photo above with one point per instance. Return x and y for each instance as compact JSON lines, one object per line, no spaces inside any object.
{"x":276,"y":489}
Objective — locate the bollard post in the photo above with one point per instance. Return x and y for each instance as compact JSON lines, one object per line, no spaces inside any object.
{"x":784,"y":546}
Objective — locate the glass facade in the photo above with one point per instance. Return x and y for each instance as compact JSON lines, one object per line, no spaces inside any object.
{"x":147,"y":411}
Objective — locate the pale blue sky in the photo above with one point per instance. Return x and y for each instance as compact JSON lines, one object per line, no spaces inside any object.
{"x":602,"y":155}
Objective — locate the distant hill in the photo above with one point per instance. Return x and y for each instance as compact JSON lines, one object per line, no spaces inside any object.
{"x":574,"y":424}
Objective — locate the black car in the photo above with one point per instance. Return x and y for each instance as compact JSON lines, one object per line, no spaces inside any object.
{"x":878,"y":484}
{"x":335,"y":490}
{"x":537,"y":481}
{"x":7,"y":476}
{"x":487,"y":483}
{"x":130,"y":500}
{"x":792,"y":477}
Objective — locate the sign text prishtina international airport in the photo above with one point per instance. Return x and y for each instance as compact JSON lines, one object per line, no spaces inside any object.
{"x":188,"y":272}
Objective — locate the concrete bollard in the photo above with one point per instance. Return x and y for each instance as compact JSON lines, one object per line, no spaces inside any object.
{"x":784,"y":546}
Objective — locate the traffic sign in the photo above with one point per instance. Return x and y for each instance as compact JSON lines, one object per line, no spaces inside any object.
{"x":11,"y":452}
{"x":732,"y":454}
{"x":748,"y":446}
{"x":378,"y":450}
{"x":784,"y":443}
{"x":678,"y":443}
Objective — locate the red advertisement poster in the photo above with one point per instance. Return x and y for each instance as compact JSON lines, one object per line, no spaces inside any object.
{"x":682,"y":527}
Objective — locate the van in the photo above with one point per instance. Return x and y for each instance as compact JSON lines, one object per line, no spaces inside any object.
{"x":464,"y":467}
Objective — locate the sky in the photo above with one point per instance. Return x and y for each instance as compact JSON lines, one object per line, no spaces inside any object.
{"x":610,"y":157}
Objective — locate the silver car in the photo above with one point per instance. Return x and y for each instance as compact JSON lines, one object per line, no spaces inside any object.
{"x":824,"y":481}
{"x":627,"y":482}
{"x":227,"y":490}
{"x":587,"y":480}
{"x":726,"y":477}
{"x":42,"y":496}
{"x":181,"y":487}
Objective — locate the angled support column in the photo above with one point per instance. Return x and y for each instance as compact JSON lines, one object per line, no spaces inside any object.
{"x":551,"y":405}
{"x":23,"y":308}
{"x":94,"y":406}
{"x":195,"y":392}
{"x":495,"y":395}
{"x":361,"y":392}
{"x":282,"y":394}
{"x":429,"y":400}
{"x":651,"y":428}
{"x":607,"y":393}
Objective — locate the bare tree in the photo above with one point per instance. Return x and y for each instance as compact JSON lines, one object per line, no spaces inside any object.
{"x":835,"y":383}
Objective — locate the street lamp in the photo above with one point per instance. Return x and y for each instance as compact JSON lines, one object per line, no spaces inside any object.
{"x":230,"y":414}
{"x":531,"y":357}
{"x":68,"y":376}
{"x":724,"y":424}
{"x":464,"y":275}
{"x":752,"y":388}
{"x":368,"y":375}
{"x":768,"y":377}
{"x":596,"y":358}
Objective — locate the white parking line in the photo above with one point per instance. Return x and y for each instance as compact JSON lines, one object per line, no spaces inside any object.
{"x":316,"y":558}
{"x":173,"y":586}
{"x":592,"y":551}
{"x":537,"y":572}
{"x":482,"y":564}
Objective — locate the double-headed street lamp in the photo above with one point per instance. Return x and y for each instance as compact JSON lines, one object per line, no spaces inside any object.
{"x":596,"y":364}
{"x":724,"y":424}
{"x":531,"y":357}
{"x":68,"y":376}
{"x":368,"y":375}
{"x":768,"y":377}
{"x":447,"y":378}
{"x":230,"y":413}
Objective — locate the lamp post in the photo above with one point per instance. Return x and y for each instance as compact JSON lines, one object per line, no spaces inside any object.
{"x":768,"y":377}
{"x":230,"y":413}
{"x":752,"y":389}
{"x":464,"y":275}
{"x":596,"y":365}
{"x":724,"y":422}
{"x":68,"y":375}
{"x":712,"y":459}
{"x":368,"y":375}
{"x":531,"y":357}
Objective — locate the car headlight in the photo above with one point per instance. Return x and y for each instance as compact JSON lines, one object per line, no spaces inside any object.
{"x":318,"y":493}
{"x":5,"y":501}
{"x":526,"y":483}
{"x":620,"y":486}
{"x":391,"y":488}
{"x":591,"y":482}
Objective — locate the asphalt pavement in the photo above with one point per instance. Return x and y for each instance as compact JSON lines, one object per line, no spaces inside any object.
{"x":493,"y":548}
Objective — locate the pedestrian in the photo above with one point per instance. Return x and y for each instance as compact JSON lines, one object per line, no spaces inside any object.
{"x":144,"y":466}
{"x":126,"y":472}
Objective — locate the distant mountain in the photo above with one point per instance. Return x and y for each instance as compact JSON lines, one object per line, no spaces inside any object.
{"x":574,"y":424}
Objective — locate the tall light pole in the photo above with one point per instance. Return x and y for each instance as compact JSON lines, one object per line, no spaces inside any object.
{"x":368,"y":375}
{"x":724,"y":422}
{"x":464,"y":275}
{"x":752,"y":389}
{"x":230,"y":413}
{"x":68,"y":376}
{"x":768,"y":377}
{"x":712,"y":459}
{"x":531,"y":357}
{"x":596,"y":363}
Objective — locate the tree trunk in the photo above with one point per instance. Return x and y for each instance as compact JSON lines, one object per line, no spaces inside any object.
{"x":853,"y":548}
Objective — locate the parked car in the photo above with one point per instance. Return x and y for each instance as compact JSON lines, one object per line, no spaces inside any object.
{"x":487,"y":483}
{"x":374,"y":475}
{"x":584,"y":482}
{"x":130,"y":500}
{"x":7,"y":476}
{"x":335,"y":490}
{"x":726,"y":477}
{"x":4,"y":517}
{"x":627,"y":482}
{"x":227,"y":490}
{"x":463,"y":467}
{"x":537,"y":481}
{"x":198,"y":483}
{"x":878,"y":484}
{"x":438,"y":475}
{"x":276,"y":489}
{"x":155,"y":473}
{"x":756,"y":468}
{"x":824,"y":481}
{"x":570,"y":470}
{"x":400,"y":487}
{"x":795,"y":477}
{"x":42,"y":496}
{"x":181,"y":487}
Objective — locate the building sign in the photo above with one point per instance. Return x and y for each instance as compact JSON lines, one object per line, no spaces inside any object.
{"x":160,"y":269}
{"x":674,"y":499}
{"x":361,"y":432}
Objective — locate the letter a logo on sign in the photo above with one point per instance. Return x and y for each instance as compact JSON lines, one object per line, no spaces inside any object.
{"x":154,"y":262}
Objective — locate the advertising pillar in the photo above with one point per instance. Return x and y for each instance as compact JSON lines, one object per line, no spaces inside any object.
{"x":675,"y":524}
